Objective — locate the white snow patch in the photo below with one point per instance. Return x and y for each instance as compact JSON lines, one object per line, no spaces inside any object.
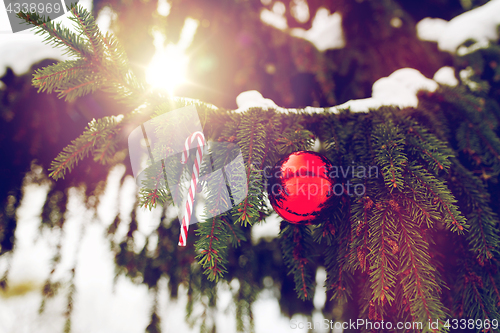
{"x":273,"y":18}
{"x":430,"y":29}
{"x":446,"y":75}
{"x":320,"y":292}
{"x":300,"y":10}
{"x":326,"y":31}
{"x":125,"y":309}
{"x":19,"y":51}
{"x":465,"y":75}
{"x":32,"y":253}
{"x":268,"y":229}
{"x":298,"y":323}
{"x":360,"y":105}
{"x":163,"y":8}
{"x":317,"y":145}
{"x":253,"y":99}
{"x":108,"y":203}
{"x":398,"y":89}
{"x":480,"y":24}
{"x":267,"y":314}
{"x":105,"y":17}
{"x":464,"y":50}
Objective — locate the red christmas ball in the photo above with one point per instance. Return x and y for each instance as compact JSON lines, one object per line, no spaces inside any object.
{"x":300,"y":186}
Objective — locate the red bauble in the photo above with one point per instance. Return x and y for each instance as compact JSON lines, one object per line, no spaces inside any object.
{"x":300,"y":186}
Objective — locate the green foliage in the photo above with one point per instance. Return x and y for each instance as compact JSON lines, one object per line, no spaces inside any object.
{"x":383,"y":247}
{"x":428,"y":147}
{"x":212,"y":247}
{"x":297,"y":247}
{"x":336,"y":232}
{"x":483,"y":235}
{"x":441,"y":196}
{"x":389,"y":145}
{"x":100,"y":64}
{"x":98,"y":139}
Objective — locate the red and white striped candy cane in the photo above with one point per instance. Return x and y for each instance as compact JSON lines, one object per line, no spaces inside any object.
{"x":195,"y":175}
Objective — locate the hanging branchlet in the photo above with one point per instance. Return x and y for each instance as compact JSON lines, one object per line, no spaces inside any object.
{"x":336,"y":144}
{"x":441,"y":196}
{"x":212,"y":247}
{"x":361,"y":213}
{"x":382,"y":257}
{"x":97,"y":139}
{"x":416,"y":273}
{"x":155,"y":322}
{"x":340,"y":277}
{"x":293,"y":140}
{"x":472,"y":298}
{"x":388,"y":143}
{"x":296,"y":246}
{"x":429,"y":148}
{"x":70,"y":302}
{"x":475,"y":134}
{"x":483,"y":237}
{"x":251,"y":139}
{"x":203,"y":293}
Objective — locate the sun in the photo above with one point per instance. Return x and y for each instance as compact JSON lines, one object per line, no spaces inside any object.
{"x":168,"y":69}
{"x":169,"y":66}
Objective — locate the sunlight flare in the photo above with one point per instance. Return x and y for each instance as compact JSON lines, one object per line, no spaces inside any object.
{"x":169,"y":66}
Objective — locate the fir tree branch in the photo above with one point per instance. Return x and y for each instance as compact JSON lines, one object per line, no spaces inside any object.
{"x":340,"y":277}
{"x":483,"y":236}
{"x":381,"y":256}
{"x":493,"y":285}
{"x":336,"y":145}
{"x":294,"y":140}
{"x":361,"y":213}
{"x":296,"y":246}
{"x":57,"y":35}
{"x":475,"y":302}
{"x":101,"y":65}
{"x":251,"y":138}
{"x":419,"y":207}
{"x":416,"y":271}
{"x":271,"y":128}
{"x":440,"y":194}
{"x":435,"y":152}
{"x":87,"y":25}
{"x":212,"y":247}
{"x":95,"y":134}
{"x":388,"y":144}
{"x":236,"y":234}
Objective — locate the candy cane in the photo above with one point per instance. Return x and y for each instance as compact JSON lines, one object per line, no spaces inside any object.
{"x":188,"y":209}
